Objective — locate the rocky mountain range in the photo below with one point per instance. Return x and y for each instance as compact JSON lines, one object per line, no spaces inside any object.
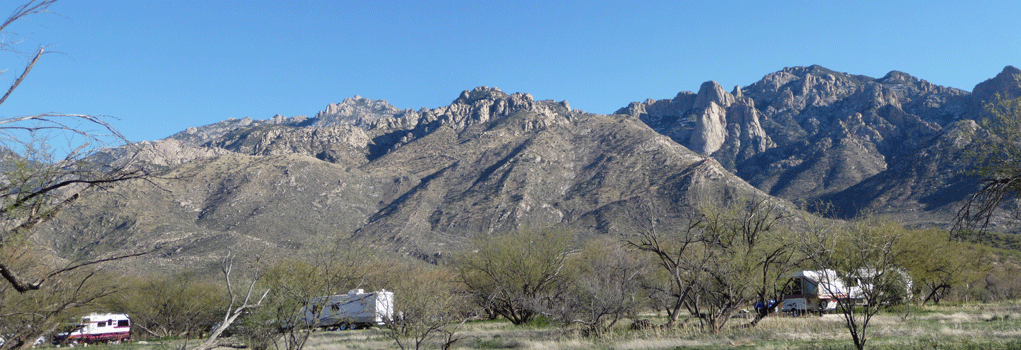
{"x":889,"y":146}
{"x":419,"y":182}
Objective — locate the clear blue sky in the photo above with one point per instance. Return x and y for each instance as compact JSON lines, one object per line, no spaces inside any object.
{"x":162,"y":66}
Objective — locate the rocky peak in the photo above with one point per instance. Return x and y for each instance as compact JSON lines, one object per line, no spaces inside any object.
{"x":282,"y":120}
{"x":868,"y":120}
{"x":484,"y":104}
{"x":357,"y":111}
{"x":796,"y":88}
{"x":708,"y":122}
{"x":898,"y":77}
{"x":1007,"y":84}
{"x":711,"y":91}
{"x":480,"y":93}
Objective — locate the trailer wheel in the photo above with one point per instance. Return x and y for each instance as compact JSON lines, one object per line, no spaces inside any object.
{"x":343,"y":326}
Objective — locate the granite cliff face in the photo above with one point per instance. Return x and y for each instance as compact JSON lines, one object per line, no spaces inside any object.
{"x":707,"y":122}
{"x":420,"y":181}
{"x":806,"y":132}
{"x":809,"y":134}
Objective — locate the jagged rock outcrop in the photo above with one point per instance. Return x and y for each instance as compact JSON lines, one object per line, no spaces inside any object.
{"x":364,"y":113}
{"x":893,"y":145}
{"x":746,"y":128}
{"x":711,"y":122}
{"x":711,"y":118}
{"x":472,"y":107}
{"x":171,"y":152}
{"x":345,"y":144}
{"x":483,"y":104}
{"x":803,"y":132}
{"x":163,"y":153}
{"x":872,"y":120}
{"x":199,"y":136}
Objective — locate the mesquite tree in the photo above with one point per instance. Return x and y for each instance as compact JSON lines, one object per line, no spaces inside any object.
{"x":516,"y":275}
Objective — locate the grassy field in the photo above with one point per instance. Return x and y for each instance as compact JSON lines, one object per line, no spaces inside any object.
{"x":968,"y":326}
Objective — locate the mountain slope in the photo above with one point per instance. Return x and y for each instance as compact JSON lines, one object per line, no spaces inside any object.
{"x":419,"y":182}
{"x":804,"y":132}
{"x":489,"y":162}
{"x":809,"y":134}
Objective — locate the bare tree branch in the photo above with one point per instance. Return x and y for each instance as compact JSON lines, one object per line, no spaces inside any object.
{"x":996,"y":155}
{"x":23,"y":75}
{"x":234,"y":311}
{"x":29,"y":8}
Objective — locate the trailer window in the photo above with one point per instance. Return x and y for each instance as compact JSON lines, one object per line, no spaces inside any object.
{"x":796,"y":287}
{"x":101,"y":324}
{"x":123,"y":323}
{"x":810,"y":287}
{"x":335,"y":307}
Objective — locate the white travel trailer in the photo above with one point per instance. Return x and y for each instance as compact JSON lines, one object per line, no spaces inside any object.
{"x":356,"y":309}
{"x":98,"y":327}
{"x":816,"y":291}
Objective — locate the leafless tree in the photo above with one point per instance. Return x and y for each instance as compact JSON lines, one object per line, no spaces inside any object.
{"x":607,"y":286}
{"x":37,"y":179}
{"x":430,"y":306}
{"x":25,"y":317}
{"x":745,"y":254}
{"x":239,"y":303}
{"x":299,"y":288}
{"x":859,"y":263}
{"x":997,"y":155}
{"x":673,"y":249}
{"x":169,"y":305}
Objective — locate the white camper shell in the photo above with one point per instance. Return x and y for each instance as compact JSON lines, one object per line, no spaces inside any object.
{"x":356,"y":309}
{"x":816,"y":291}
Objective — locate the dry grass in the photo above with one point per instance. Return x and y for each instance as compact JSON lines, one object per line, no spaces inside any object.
{"x":972,"y":326}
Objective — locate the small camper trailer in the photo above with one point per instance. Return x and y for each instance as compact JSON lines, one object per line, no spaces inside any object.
{"x":356,"y":309}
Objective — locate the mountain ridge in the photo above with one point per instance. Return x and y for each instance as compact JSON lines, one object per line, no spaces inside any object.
{"x":420,"y":181}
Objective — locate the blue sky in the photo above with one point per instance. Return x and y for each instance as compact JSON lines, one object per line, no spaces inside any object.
{"x":159,"y":67}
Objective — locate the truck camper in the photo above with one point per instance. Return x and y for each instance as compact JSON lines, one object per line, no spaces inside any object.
{"x":96,"y":327}
{"x":819,"y":291}
{"x":816,"y":291}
